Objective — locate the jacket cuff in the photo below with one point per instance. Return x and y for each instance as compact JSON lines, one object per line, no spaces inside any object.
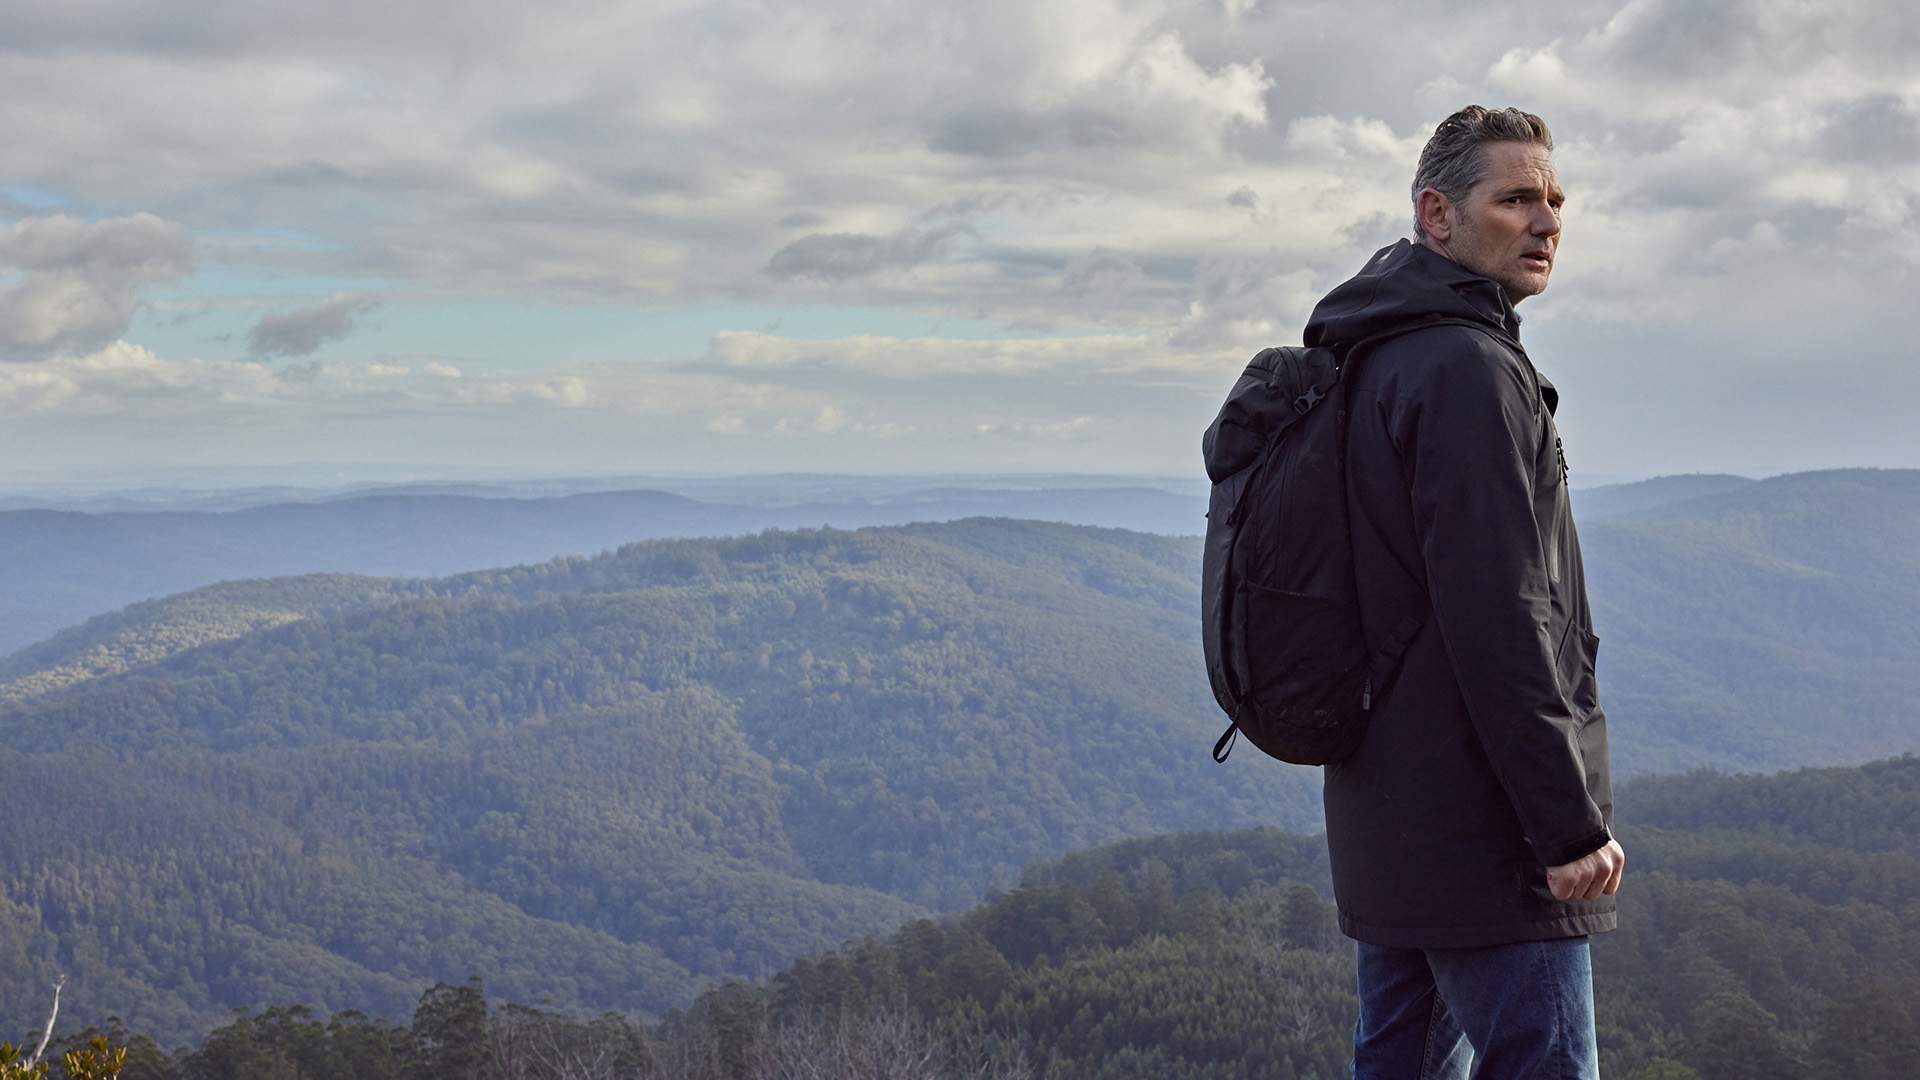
{"x":1566,"y":853}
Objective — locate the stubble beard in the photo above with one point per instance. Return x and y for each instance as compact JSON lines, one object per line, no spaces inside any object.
{"x":1515,"y":283}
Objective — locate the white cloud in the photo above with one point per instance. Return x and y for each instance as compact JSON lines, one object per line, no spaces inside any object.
{"x":24,"y":391}
{"x":125,"y":379}
{"x":1164,"y":73}
{"x":567,"y":391}
{"x":1138,"y":188}
{"x":1538,"y":73}
{"x":78,"y":282}
{"x":1329,"y":139}
{"x":1077,"y":428}
{"x":915,"y":360}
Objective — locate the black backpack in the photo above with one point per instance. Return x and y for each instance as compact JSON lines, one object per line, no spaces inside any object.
{"x":1279,"y":614}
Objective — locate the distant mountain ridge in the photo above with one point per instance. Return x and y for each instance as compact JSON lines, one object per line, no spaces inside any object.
{"x":1762,"y":626}
{"x":1612,"y":500}
{"x":62,"y":567}
{"x":1763,"y":623}
{"x":732,"y":489}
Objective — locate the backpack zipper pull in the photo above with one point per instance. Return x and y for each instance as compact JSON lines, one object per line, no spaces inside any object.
{"x":1366,"y":695}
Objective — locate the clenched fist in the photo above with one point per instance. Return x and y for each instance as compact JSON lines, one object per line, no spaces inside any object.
{"x":1590,"y":875}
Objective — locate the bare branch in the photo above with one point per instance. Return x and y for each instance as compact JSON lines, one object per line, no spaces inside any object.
{"x":47,"y":1035}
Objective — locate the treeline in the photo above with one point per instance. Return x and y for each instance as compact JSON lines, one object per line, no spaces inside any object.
{"x":1768,"y":930}
{"x":455,"y":1034}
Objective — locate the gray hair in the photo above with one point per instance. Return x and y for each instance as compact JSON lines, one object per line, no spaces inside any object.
{"x":1455,"y":158}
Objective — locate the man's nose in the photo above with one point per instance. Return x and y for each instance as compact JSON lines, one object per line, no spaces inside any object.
{"x":1546,"y":220}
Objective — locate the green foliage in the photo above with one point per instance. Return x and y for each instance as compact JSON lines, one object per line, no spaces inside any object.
{"x":154,"y":630}
{"x":12,"y":1067}
{"x":1763,"y":627}
{"x":606,"y":782}
{"x":1663,"y":1069}
{"x":96,"y":1060}
{"x":1789,"y":950}
{"x":1212,"y":956}
{"x":450,"y":1030}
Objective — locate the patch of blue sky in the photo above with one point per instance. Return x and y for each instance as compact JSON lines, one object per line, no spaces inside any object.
{"x":518,"y":336}
{"x":201,"y":319}
{"x":209,"y":314}
{"x":268,"y":286}
{"x":192,"y":331}
{"x":30,"y":197}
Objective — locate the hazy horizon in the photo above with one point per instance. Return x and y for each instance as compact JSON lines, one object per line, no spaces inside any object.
{"x":334,"y":477}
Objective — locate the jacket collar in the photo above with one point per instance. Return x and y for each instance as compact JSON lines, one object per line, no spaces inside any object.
{"x":1480,"y":292}
{"x":1408,"y":282}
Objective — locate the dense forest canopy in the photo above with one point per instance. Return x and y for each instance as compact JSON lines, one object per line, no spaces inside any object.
{"x":689,"y":760}
{"x":1767,"y":931}
{"x":684,"y":760}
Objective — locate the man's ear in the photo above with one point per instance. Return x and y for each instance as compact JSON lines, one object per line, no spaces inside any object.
{"x":1436,"y":215}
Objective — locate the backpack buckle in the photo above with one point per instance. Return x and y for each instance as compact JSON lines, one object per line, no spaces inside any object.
{"x":1308,"y":400}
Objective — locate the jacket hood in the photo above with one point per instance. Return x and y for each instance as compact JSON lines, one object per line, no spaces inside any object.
{"x":1407,"y":282}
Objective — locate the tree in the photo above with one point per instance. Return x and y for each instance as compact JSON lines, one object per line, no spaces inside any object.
{"x":96,"y":1061}
{"x":1733,"y":1038}
{"x":450,"y":1030}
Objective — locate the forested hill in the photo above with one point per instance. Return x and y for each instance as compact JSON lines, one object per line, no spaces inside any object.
{"x":686,"y":759}
{"x":154,"y":630}
{"x":596,"y":780}
{"x":1616,"y":500}
{"x":1745,"y":624}
{"x":1763,"y":626}
{"x":1766,"y":933}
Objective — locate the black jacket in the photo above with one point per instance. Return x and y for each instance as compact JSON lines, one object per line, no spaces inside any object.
{"x":1486,"y":761}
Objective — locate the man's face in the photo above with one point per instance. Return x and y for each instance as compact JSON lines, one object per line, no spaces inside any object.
{"x":1508,"y":226}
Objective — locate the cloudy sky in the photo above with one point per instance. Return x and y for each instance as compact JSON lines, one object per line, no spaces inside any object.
{"x":876,"y":236}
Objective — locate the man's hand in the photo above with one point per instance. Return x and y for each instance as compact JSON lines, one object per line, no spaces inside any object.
{"x":1590,"y":875}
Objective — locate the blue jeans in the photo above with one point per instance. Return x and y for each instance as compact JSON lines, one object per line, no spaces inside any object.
{"x":1498,"y":1013}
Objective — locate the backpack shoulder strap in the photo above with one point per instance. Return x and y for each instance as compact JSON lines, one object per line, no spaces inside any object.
{"x":1350,"y":355}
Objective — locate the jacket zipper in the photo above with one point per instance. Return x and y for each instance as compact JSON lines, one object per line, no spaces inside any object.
{"x":1559,"y":511}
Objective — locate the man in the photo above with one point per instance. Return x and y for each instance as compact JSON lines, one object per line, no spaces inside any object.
{"x":1470,"y":832}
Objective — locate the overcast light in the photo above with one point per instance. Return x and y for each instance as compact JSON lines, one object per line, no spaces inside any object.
{"x":1001,"y":235}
